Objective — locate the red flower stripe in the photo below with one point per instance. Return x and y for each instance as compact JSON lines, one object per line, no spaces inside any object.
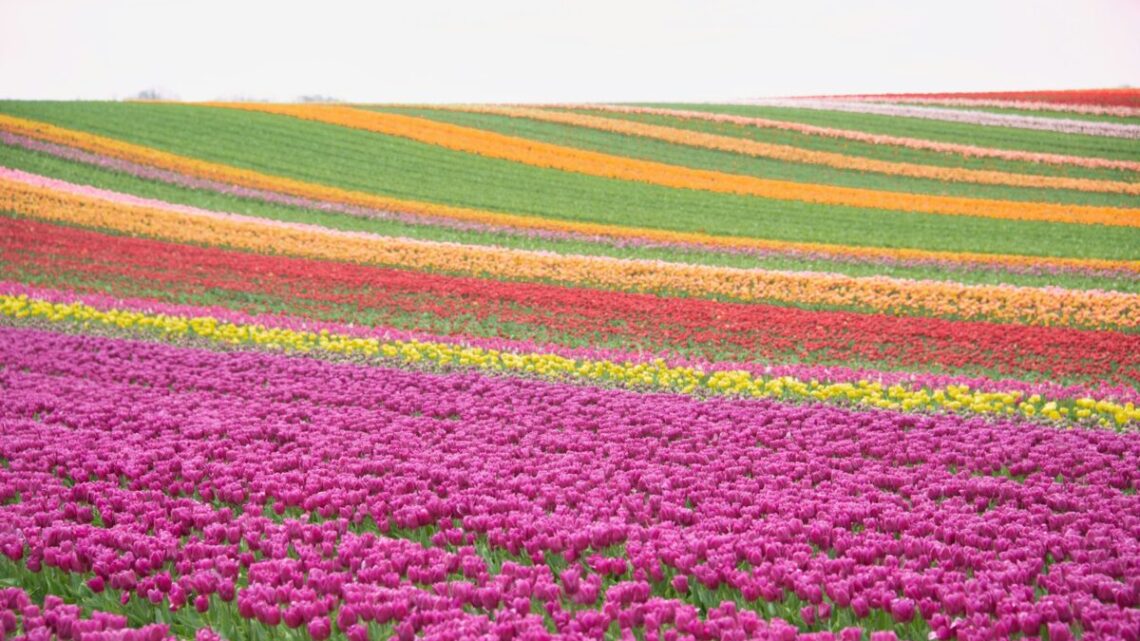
{"x":711,"y":328}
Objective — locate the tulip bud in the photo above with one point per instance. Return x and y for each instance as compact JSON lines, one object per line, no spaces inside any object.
{"x":902,"y":610}
{"x":807,"y":613}
{"x":320,"y":628}
{"x":294,"y":616}
{"x":177,"y":597}
{"x":860,"y":606}
{"x":346,"y":617}
{"x":1059,"y":632}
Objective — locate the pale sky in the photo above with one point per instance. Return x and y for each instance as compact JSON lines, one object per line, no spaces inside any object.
{"x":536,"y":51}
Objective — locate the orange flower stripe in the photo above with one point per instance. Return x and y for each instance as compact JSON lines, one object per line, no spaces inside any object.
{"x":1040,"y":306}
{"x":796,"y":154}
{"x":249,"y":178}
{"x":540,"y":154}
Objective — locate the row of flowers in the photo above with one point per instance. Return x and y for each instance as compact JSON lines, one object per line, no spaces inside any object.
{"x":461,"y":506}
{"x":593,"y":163}
{"x":958,"y":149}
{"x":1076,"y":100}
{"x":671,"y":327}
{"x":22,"y":619}
{"x":1025,"y":105}
{"x":276,"y":318}
{"x":25,"y":193}
{"x":654,"y":375}
{"x":155,"y":165}
{"x":158,"y":174}
{"x":789,"y":153}
{"x":973,"y":117}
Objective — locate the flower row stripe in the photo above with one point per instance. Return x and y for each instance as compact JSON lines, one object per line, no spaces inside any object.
{"x":969,"y":151}
{"x":247,"y":179}
{"x":546,"y":155}
{"x":654,"y":375}
{"x":1030,"y":305}
{"x":982,"y":118}
{"x":1039,"y":306}
{"x":147,"y":172}
{"x":1127,"y":97}
{"x":288,"y":319}
{"x":1027,"y":105}
{"x":790,"y":153}
{"x":714,"y":333}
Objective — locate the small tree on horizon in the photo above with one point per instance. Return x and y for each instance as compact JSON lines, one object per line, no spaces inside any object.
{"x":148,"y":94}
{"x":317,"y":98}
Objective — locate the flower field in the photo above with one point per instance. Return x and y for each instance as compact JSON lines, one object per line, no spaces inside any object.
{"x":822,"y":368}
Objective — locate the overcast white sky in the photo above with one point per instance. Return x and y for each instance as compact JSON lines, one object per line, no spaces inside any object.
{"x":585,"y":50}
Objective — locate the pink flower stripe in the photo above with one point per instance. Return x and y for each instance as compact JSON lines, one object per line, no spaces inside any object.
{"x":1120,"y":97}
{"x":983,"y":118}
{"x":969,"y":151}
{"x":1096,"y":110}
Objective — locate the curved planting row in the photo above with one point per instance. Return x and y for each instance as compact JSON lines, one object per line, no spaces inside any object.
{"x":960,"y":149}
{"x":1117,"y":102}
{"x":1038,"y":306}
{"x":366,"y":206}
{"x":385,"y":172}
{"x":591,"y":163}
{"x":789,"y":153}
{"x":146,"y":314}
{"x":732,"y":153}
{"x":672,"y":327}
{"x":654,"y":375}
{"x":1048,"y":109}
{"x":983,"y":118}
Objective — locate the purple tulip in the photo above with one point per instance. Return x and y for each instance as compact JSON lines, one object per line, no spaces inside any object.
{"x":319,"y":628}
{"x":902,"y":610}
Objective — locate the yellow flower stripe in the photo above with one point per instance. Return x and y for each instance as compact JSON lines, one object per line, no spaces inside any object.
{"x":249,"y":178}
{"x":797,"y":154}
{"x":655,"y":375}
{"x":1039,"y":306}
{"x":546,"y":155}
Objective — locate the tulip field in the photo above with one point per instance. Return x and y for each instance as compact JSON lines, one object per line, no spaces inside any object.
{"x":823,"y":368}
